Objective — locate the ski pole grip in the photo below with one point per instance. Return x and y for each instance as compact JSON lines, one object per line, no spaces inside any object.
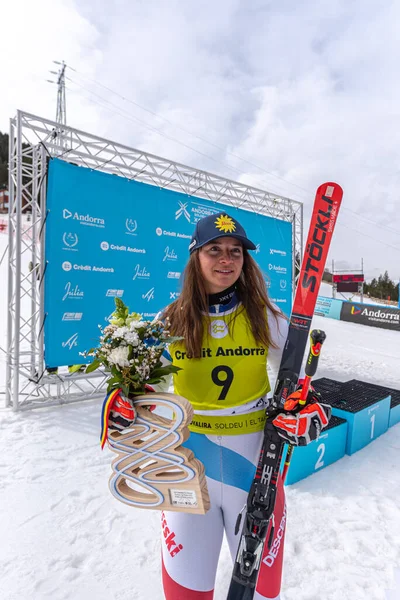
{"x":317,"y":337}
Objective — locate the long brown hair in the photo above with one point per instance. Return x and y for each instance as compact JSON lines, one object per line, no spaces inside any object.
{"x":188,"y":314}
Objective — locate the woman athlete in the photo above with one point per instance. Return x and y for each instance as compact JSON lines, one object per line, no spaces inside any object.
{"x":232,"y":334}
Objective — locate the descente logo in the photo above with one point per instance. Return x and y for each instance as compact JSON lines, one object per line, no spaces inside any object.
{"x":83,"y":219}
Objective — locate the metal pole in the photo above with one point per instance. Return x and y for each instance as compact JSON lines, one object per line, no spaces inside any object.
{"x":43,"y":212}
{"x":10,"y":314}
{"x":34,"y":259}
{"x":17,"y":295}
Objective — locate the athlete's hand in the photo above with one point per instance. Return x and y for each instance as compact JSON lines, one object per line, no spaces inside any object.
{"x":122,"y":415}
{"x":300,"y":426}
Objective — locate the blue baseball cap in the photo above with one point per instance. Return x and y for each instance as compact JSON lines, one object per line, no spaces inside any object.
{"x":216,"y":226}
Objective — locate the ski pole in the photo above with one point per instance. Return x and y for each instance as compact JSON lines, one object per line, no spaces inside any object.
{"x":317,"y":338}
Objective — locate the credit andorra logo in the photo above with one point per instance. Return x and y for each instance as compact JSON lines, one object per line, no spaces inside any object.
{"x":131,"y":226}
{"x":182,"y":211}
{"x":160,"y":231}
{"x":71,"y":292}
{"x":71,"y":342}
{"x":169,"y":254}
{"x":83,"y":219}
{"x":222,"y":351}
{"x":140,"y":273}
{"x":67,"y":266}
{"x":149,"y":295}
{"x":70,"y":240}
{"x":106,"y":246}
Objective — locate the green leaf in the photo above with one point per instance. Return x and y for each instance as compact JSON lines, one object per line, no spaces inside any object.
{"x":93,"y":366}
{"x":75,"y":368}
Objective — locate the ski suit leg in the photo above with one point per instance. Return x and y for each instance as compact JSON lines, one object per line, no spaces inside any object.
{"x":191,"y":543}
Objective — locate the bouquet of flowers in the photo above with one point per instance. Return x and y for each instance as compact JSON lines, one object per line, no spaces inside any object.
{"x":130,"y":349}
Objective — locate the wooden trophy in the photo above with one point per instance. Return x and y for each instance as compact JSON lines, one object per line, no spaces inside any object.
{"x":152,"y":469}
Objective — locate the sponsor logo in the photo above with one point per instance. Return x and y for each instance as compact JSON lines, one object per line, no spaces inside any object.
{"x":258,"y":249}
{"x":324,"y":223}
{"x":355,"y":310}
{"x":174,"y":295}
{"x":169,"y":254}
{"x":83,"y":219}
{"x":70,"y":240}
{"x":131,"y":226}
{"x":71,"y":316}
{"x":182,"y":211}
{"x":283,"y":284}
{"x":107,"y":246}
{"x":173,"y":548}
{"x":66,"y":265}
{"x":160,"y":231}
{"x":140,"y":273}
{"x":71,"y":342}
{"x":173,"y":275}
{"x":225,"y":224}
{"x":218,"y":329}
{"x":277,"y":269}
{"x":277,"y":542}
{"x":72,"y":293}
{"x":115,"y":293}
{"x":274,"y":251}
{"x":149,"y":295}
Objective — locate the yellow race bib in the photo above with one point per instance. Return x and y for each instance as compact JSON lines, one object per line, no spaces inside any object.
{"x":232,"y":369}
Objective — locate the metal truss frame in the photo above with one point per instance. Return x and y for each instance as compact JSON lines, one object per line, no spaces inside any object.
{"x":32,"y":141}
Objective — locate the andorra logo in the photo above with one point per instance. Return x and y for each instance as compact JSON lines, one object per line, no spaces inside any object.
{"x":225,"y":224}
{"x":355,"y":310}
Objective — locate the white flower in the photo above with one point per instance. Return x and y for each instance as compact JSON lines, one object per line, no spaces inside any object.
{"x":119,"y":356}
{"x":137,"y":325}
{"x":132,"y":338}
{"x":120,"y":332}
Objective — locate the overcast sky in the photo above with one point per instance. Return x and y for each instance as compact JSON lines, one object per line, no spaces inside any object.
{"x":281,"y":95}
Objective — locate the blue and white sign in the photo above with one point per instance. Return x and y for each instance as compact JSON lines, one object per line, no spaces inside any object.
{"x":108,"y":237}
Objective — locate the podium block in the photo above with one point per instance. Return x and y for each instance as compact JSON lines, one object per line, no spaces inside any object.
{"x":329,"y":448}
{"x":366,"y":410}
{"x":394,"y":416}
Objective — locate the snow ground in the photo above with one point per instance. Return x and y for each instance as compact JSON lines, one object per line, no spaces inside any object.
{"x":64,"y":537}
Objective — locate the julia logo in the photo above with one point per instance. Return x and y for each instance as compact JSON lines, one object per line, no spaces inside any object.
{"x":131,"y":225}
{"x":218,"y":329}
{"x":139,"y":273}
{"x":149,"y":295}
{"x":182,"y":210}
{"x":355,"y":310}
{"x":169,"y":254}
{"x":283,"y":284}
{"x":71,"y":342}
{"x":70,"y":239}
{"x":72,"y":292}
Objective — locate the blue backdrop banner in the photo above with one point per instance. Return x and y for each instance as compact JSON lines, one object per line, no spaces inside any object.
{"x":109,"y":237}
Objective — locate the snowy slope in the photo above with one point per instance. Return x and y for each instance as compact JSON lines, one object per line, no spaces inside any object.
{"x":63,"y":536}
